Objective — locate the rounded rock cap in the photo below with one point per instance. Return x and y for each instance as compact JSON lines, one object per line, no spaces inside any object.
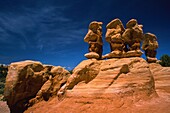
{"x":150,"y":36}
{"x":114,"y":23}
{"x":131,"y":23}
{"x":95,"y":24}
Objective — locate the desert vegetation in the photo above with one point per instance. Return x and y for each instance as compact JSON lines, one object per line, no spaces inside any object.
{"x":165,"y":60}
{"x":3,"y":74}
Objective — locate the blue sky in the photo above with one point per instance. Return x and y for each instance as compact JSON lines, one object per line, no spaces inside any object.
{"x":52,"y":31}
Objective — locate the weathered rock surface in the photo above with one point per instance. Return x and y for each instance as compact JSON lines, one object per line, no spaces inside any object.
{"x":127,"y":76}
{"x":117,"y":85}
{"x":94,"y":39}
{"x":133,"y":35}
{"x":150,"y":45}
{"x":92,"y":55}
{"x":162,"y":80}
{"x":114,"y":38}
{"x":29,"y":81}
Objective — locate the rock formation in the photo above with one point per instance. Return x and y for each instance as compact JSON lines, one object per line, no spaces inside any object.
{"x":94,"y":39}
{"x":113,"y":85}
{"x":28,"y":82}
{"x":132,"y":37}
{"x":123,"y":43}
{"x":150,"y":45}
{"x":126,"y":76}
{"x":114,"y":33}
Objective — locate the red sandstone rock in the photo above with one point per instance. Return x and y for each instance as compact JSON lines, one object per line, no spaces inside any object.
{"x":94,"y":39}
{"x":25,"y":79}
{"x":117,"y":85}
{"x":150,"y":45}
{"x":121,"y":77}
{"x":132,"y":91}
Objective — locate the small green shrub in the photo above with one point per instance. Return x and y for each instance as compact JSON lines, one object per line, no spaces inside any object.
{"x":2,"y":85}
{"x":165,"y":60}
{"x":71,"y":71}
{"x":3,"y":71}
{"x":3,"y":74}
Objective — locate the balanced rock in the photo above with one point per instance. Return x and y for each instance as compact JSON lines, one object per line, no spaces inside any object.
{"x":94,"y":39}
{"x":114,"y":37}
{"x":25,"y":80}
{"x":150,"y":45}
{"x":132,"y":37}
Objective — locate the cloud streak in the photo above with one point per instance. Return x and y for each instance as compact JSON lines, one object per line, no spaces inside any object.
{"x":39,"y":28}
{"x":52,"y":31}
{"x":39,"y":32}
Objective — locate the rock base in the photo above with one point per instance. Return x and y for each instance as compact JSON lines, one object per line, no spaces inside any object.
{"x":137,"y":53}
{"x":114,"y":54}
{"x":151,"y":60}
{"x":92,"y":55}
{"x":117,"y":54}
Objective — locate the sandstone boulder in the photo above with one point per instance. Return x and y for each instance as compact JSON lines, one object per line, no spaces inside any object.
{"x":124,"y":77}
{"x":50,"y":88}
{"x":25,"y":80}
{"x":119,"y":81}
{"x":86,"y":71}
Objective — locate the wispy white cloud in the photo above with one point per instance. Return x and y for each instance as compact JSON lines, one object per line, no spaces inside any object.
{"x":45,"y":30}
{"x":46,"y":27}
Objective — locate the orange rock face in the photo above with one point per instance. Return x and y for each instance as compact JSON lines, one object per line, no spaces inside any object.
{"x":28,"y":82}
{"x":150,"y":45}
{"x":94,"y":39}
{"x":117,"y":85}
{"x":114,"y":38}
{"x":115,"y":77}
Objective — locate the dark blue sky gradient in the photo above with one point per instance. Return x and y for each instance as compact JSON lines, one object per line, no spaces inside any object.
{"x":52,"y":31}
